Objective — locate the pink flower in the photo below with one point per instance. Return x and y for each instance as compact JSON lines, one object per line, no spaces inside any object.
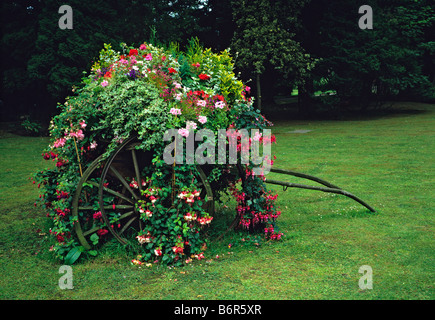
{"x":257,"y":136}
{"x":79,"y":135}
{"x":202,"y":119}
{"x":183,"y":132}
{"x":201,"y":103}
{"x":93,"y":145}
{"x":175,"y":111}
{"x":191,"y":125}
{"x":220,"y":104}
{"x":143,"y":46}
{"x":97,"y":215}
{"x":104,"y":83}
{"x":59,"y":143}
{"x":247,"y":89}
{"x":83,"y":124}
{"x":149,"y":57}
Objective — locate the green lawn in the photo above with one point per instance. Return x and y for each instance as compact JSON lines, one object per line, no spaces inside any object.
{"x":388,"y":161}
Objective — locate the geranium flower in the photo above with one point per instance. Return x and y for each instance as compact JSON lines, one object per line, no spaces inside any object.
{"x":183,"y":132}
{"x":175,"y":111}
{"x":172,"y":70}
{"x":219,"y":104}
{"x":202,"y":119}
{"x":133,"y":52}
{"x":143,"y":46}
{"x":201,"y":103}
{"x":203,"y":76}
{"x":149,"y":57}
{"x":191,"y":125}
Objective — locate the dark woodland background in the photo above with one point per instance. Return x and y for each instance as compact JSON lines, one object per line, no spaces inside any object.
{"x":313,"y":49}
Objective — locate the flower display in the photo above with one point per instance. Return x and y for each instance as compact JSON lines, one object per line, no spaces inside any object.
{"x":143,"y":92}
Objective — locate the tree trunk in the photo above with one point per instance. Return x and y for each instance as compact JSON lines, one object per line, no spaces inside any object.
{"x":258,"y":92}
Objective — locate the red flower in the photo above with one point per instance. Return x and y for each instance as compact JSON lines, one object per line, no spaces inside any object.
{"x":102,"y":232}
{"x":203,"y":76}
{"x":172,"y":70}
{"x":133,"y":52}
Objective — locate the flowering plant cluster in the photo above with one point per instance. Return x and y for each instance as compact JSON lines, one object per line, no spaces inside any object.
{"x":143,"y":92}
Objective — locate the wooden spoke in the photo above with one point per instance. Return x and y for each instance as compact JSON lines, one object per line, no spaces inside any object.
{"x":123,"y":181}
{"x":136,"y":169}
{"x":117,"y":194}
{"x":119,"y":206}
{"x":129,"y":222}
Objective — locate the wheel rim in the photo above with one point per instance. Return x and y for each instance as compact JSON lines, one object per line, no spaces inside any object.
{"x":85,"y":229}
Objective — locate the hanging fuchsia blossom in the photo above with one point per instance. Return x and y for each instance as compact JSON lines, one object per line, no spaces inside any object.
{"x":59,"y":143}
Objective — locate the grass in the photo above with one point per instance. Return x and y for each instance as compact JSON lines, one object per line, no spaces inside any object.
{"x":388,"y":161}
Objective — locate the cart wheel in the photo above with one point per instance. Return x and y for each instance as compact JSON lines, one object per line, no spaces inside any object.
{"x":119,"y":201}
{"x":82,"y":206}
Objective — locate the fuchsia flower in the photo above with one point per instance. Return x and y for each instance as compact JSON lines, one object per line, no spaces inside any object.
{"x":59,"y":143}
{"x":83,"y":124}
{"x":97,"y":215}
{"x":79,"y":135}
{"x":257,"y":136}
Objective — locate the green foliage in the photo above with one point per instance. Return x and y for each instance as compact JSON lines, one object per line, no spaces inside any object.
{"x":265,"y":34}
{"x":370,"y":66}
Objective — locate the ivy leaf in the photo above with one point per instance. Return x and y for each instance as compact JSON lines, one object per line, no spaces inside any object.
{"x":94,"y":238}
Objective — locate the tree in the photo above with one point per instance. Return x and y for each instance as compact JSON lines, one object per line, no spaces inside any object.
{"x":265,"y":34}
{"x":365,"y":67}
